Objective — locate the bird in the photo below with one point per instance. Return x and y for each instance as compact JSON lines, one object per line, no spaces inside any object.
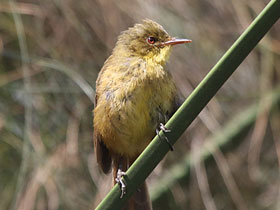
{"x":135,"y":96}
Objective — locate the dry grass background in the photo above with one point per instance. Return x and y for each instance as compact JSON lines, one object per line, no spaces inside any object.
{"x":50,"y":55}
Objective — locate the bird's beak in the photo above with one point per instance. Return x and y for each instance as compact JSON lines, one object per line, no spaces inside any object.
{"x":175,"y":41}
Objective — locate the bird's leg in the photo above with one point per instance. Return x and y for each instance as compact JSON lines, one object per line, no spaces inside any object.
{"x":119,"y":179}
{"x":164,"y":130}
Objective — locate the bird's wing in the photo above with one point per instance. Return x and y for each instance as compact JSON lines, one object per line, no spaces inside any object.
{"x":102,"y":153}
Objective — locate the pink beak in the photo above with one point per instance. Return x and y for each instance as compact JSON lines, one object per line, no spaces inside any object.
{"x":175,"y":41}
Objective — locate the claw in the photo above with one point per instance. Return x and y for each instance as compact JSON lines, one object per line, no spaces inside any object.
{"x":164,"y":130}
{"x":120,"y":181}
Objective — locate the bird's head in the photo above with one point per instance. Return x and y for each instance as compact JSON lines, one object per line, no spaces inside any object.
{"x":147,"y":40}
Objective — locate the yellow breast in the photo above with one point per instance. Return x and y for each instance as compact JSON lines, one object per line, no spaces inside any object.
{"x":132,"y":101}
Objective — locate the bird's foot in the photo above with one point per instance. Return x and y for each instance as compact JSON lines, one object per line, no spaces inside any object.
{"x":164,"y":130}
{"x":120,"y":181}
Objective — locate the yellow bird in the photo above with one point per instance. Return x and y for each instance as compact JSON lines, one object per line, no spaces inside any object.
{"x":135,"y":96}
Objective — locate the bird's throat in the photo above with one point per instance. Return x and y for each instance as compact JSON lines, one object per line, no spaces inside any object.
{"x":159,"y":58}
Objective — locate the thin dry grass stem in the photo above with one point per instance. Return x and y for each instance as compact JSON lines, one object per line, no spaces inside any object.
{"x":209,"y":120}
{"x":72,"y":136}
{"x":11,"y":139}
{"x":272,"y":45}
{"x":21,"y":8}
{"x":103,"y":187}
{"x":27,"y":86}
{"x":72,"y":133}
{"x":37,"y":142}
{"x":256,"y":143}
{"x":275,"y":125}
{"x":93,"y":168}
{"x":17,"y":74}
{"x":203,"y":184}
{"x":260,"y":128}
{"x":215,"y":108}
{"x":179,"y":195}
{"x":52,"y":194}
{"x":202,"y":179}
{"x":229,"y":180}
{"x":242,"y":16}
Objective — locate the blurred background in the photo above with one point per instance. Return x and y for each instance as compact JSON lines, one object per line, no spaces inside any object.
{"x":50,"y":54}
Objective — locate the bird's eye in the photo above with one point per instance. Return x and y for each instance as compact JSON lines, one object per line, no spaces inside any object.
{"x":151,"y":40}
